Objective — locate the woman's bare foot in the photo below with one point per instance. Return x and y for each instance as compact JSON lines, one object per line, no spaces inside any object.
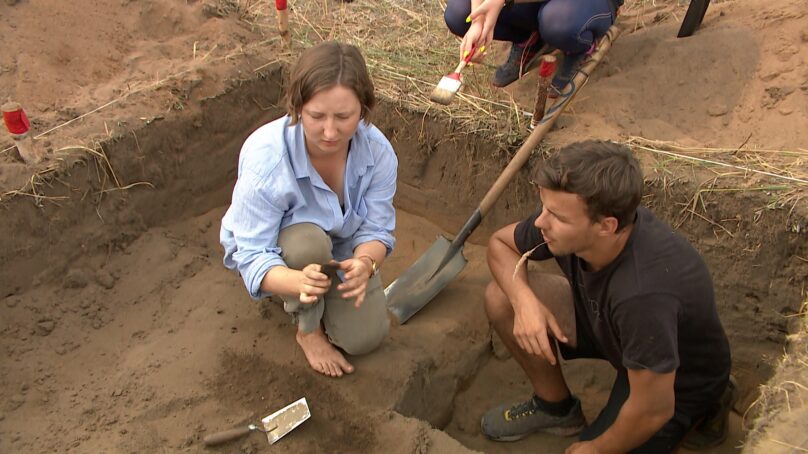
{"x":322,"y":356}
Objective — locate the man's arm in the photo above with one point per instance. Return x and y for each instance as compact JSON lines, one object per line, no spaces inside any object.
{"x":503,"y":257}
{"x":649,"y":406}
{"x":532,"y":319}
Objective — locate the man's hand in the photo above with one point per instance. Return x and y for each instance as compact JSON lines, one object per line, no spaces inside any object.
{"x":650,"y":405}
{"x":530,"y":328}
{"x":357,"y":274}
{"x":582,"y":447}
{"x":313,"y":284}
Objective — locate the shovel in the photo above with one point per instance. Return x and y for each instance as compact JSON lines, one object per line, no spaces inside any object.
{"x":693,"y":17}
{"x":275,"y":425}
{"x":444,"y":259}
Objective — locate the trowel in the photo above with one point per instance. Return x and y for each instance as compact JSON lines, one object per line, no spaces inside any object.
{"x":275,"y":425}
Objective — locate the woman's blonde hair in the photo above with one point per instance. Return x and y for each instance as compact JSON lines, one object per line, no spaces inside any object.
{"x":324,"y":66}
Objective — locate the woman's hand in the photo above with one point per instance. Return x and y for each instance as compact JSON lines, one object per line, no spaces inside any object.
{"x":357,"y":273}
{"x":471,"y":43}
{"x":313,"y":284}
{"x":481,"y":32}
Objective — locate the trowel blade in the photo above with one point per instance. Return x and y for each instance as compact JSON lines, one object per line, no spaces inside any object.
{"x":286,"y":419}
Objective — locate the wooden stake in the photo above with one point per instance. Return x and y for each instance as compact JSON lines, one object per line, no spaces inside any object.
{"x":283,"y":22}
{"x":546,"y":70}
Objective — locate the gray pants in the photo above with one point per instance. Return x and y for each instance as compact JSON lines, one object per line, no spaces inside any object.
{"x":355,"y":330}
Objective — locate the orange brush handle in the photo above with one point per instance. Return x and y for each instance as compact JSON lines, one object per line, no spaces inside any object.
{"x":465,"y":61}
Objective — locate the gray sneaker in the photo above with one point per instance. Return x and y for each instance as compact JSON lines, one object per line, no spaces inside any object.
{"x":514,"y":422}
{"x":522,"y":58}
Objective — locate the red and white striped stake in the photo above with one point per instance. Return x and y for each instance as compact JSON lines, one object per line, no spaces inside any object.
{"x":283,"y":21}
{"x":18,"y":125}
{"x":15,"y":119}
{"x":546,"y":70}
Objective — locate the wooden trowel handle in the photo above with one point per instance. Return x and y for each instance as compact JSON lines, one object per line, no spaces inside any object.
{"x":225,"y":436}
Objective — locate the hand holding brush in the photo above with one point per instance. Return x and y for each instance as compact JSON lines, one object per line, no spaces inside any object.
{"x":450,"y":84}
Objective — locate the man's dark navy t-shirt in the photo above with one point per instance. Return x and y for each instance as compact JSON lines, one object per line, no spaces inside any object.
{"x":651,"y":308}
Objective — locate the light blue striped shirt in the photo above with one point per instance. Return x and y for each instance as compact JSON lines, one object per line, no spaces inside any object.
{"x":277,"y":187}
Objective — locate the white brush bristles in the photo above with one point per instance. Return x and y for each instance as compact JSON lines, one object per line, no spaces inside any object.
{"x":449,"y":84}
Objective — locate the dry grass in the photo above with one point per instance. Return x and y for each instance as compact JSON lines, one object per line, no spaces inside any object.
{"x":776,"y":419}
{"x":793,"y":167}
{"x":407,"y":63}
{"x":105,"y":175}
{"x":782,"y":175}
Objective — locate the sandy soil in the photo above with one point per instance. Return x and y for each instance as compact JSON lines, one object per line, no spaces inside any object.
{"x":138,"y":340}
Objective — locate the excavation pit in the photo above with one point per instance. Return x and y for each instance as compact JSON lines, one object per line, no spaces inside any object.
{"x":123,"y":332}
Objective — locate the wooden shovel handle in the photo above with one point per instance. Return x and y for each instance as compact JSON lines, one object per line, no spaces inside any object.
{"x":520,"y":158}
{"x":225,"y":436}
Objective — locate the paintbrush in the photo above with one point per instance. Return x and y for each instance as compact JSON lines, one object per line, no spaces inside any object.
{"x":450,"y":84}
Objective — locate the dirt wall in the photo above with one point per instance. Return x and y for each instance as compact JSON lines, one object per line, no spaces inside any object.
{"x":188,"y":160}
{"x":755,"y":250}
{"x":777,"y":417}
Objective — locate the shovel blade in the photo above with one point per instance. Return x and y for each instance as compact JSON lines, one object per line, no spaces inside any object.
{"x":286,"y":419}
{"x":424,"y":279}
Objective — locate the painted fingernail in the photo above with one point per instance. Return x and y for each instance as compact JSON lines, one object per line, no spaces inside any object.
{"x":471,"y":64}
{"x":482,"y":49}
{"x":468,"y":19}
{"x":465,"y":53}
